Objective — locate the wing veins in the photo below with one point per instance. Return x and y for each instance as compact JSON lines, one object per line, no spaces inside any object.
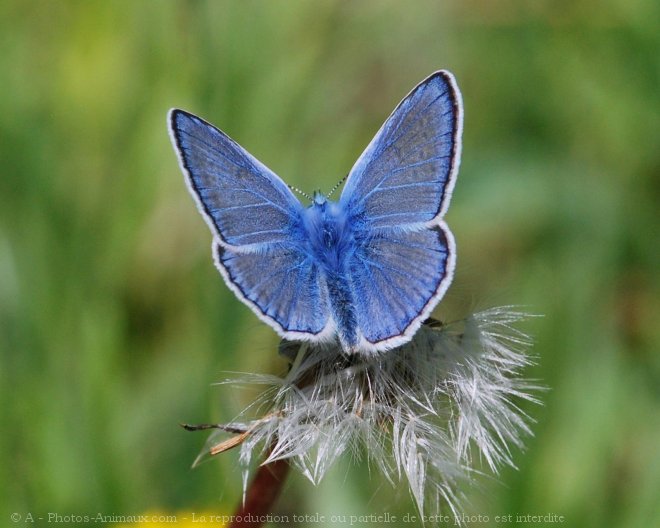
{"x":249,"y":167}
{"x":404,"y":185}
{"x":391,"y":215}
{"x":242,"y":189}
{"x":416,"y":164}
{"x":415,"y":268}
{"x":395,"y":300}
{"x":382,"y":268}
{"x":271,"y":276}
{"x":415,"y":118}
{"x":282,"y":283}
{"x":371,"y":277}
{"x":390,"y":268}
{"x":264,"y":232}
{"x":430,"y":141}
{"x":294,"y":297}
{"x":233,"y":207}
{"x":214,"y":149}
{"x":254,"y":193}
{"x":404,"y":243}
{"x":401,"y":169}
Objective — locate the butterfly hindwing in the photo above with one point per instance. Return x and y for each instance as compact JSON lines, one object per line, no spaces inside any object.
{"x":282,"y":284}
{"x":396,"y":277}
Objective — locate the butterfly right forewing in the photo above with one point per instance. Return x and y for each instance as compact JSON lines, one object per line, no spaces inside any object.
{"x":406,"y":175}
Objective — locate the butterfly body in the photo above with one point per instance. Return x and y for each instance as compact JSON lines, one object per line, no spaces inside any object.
{"x":329,"y":236}
{"x":328,"y":241}
{"x":366,"y":269}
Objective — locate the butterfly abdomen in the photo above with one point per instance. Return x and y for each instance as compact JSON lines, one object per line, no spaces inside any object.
{"x":343,"y":311}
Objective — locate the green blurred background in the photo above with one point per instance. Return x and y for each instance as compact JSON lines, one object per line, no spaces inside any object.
{"x":114,"y":322}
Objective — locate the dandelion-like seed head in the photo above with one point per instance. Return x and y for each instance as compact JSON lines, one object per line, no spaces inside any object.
{"x":421,"y":412}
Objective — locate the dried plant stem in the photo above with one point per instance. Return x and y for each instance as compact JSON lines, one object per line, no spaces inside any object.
{"x":261,"y":494}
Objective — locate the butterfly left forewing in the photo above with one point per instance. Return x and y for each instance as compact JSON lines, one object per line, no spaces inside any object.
{"x":244,"y":202}
{"x":256,"y":220}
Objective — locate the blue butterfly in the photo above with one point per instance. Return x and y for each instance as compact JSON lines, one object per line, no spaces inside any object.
{"x":368,"y":269}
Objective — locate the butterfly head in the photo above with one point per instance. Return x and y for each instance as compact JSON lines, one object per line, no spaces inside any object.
{"x":320,"y":199}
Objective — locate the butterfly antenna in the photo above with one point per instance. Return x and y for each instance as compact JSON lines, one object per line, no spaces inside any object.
{"x":337,"y":186}
{"x":295,"y":189}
